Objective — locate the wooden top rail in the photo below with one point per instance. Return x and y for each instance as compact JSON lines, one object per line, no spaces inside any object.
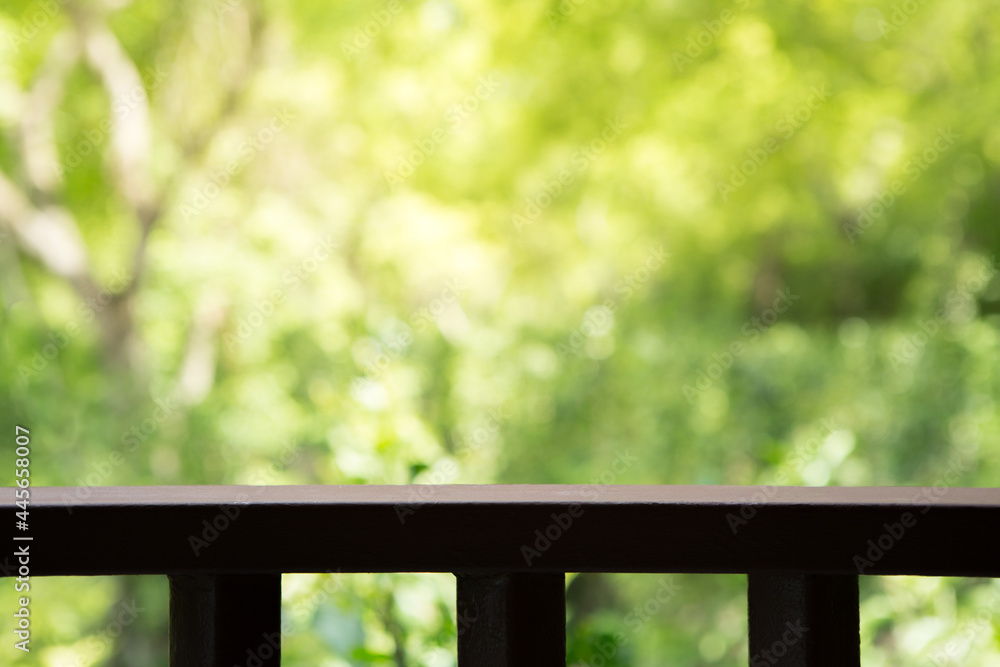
{"x":517,"y":528}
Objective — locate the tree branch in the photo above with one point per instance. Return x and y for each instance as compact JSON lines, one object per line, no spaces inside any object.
{"x":131,"y":132}
{"x":50,"y":235}
{"x":41,"y":159}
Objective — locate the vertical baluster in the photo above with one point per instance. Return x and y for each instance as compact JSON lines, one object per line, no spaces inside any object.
{"x":512,"y":620}
{"x":224,"y":620}
{"x":803,"y":620}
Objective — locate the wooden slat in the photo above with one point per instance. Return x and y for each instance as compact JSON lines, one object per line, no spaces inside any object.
{"x":531,"y":529}
{"x":511,"y":620}
{"x":803,"y":620}
{"x":225,"y":620}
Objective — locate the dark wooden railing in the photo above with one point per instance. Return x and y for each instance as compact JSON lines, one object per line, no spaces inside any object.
{"x":224,"y":550}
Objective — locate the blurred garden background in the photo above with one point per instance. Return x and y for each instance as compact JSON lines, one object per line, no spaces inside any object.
{"x":464,"y":241}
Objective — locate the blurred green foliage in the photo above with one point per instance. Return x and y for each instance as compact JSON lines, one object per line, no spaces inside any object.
{"x":472,"y":242}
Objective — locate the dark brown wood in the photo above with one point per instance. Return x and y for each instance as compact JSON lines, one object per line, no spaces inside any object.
{"x":803,"y":620}
{"x":469,"y":529}
{"x":511,"y":620}
{"x":225,"y":621}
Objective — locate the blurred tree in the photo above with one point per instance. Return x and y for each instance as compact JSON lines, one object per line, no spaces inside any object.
{"x":466,"y":242}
